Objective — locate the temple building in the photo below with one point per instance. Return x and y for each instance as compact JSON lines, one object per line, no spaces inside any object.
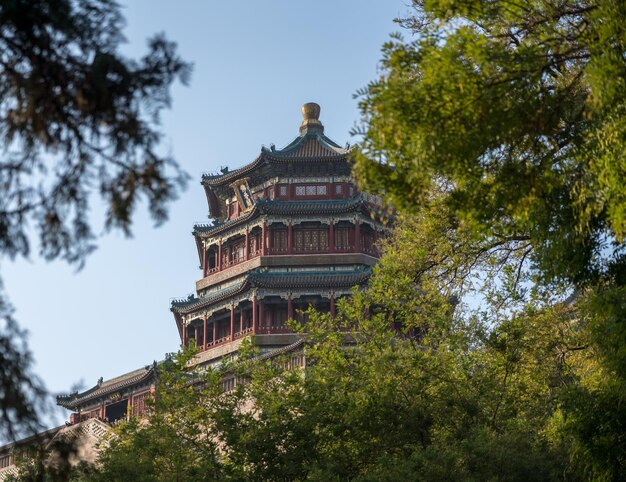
{"x":288,"y":231}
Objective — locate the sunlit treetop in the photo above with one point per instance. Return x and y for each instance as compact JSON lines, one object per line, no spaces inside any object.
{"x":516,"y":111}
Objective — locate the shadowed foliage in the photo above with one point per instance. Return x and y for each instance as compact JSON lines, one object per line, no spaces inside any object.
{"x":77,"y":120}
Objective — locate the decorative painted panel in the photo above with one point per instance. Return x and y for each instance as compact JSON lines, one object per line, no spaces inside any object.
{"x":311,"y":240}
{"x":311,"y":190}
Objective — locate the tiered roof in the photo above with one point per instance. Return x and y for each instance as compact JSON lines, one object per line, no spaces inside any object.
{"x":311,"y":147}
{"x":353,"y":204}
{"x":277,"y":279}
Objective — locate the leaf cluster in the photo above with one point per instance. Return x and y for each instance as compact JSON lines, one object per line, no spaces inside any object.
{"x":78,"y":117}
{"x":515,"y":110}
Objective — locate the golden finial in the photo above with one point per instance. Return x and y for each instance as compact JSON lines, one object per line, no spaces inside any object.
{"x":311,"y":123}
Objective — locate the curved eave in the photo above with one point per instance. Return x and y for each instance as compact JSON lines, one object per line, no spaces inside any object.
{"x":337,"y":206}
{"x":213,"y":202}
{"x":286,"y":159}
{"x":203,"y":231}
{"x":190,"y":305}
{"x":297,"y":345}
{"x":329,"y":151}
{"x":199,"y":249}
{"x":220,"y":180}
{"x":71,"y":402}
{"x":319,"y":279}
{"x":278,"y":207}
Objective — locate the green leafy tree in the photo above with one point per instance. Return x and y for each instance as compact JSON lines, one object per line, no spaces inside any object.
{"x":515,"y":113}
{"x":177,"y":442}
{"x":514,"y":108}
{"x":77,"y":119}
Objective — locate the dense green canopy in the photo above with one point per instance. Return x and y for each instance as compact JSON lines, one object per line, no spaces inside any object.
{"x":426,"y":388}
{"x":514,"y":113}
{"x":516,"y":110}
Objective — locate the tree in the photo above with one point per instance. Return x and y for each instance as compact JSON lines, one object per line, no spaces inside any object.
{"x":517,"y":109}
{"x":76,"y":118}
{"x":514,"y":112}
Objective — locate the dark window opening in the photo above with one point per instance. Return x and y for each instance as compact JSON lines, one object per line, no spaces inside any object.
{"x":342,"y":239}
{"x":116,"y":411}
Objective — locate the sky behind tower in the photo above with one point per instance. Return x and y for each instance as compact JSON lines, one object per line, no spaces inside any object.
{"x":255,"y":64}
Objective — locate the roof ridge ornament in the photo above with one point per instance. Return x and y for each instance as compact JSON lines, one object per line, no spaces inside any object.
{"x":311,"y":123}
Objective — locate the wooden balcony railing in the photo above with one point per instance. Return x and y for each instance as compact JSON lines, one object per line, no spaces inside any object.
{"x":228,"y":263}
{"x":267,"y":330}
{"x":218,"y":341}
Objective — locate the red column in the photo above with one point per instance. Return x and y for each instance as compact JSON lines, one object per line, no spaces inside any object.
{"x":261,"y":314}
{"x":232,"y":322}
{"x":375,"y":241}
{"x":219,"y":256}
{"x":332,"y":305}
{"x":255,"y":321}
{"x":246,"y":250}
{"x":204,"y":337}
{"x":195,"y":335}
{"x":331,"y":237}
{"x":289,"y":308}
{"x":214,"y":330}
{"x":203,"y":260}
{"x":240,"y":319}
{"x":357,"y":236}
{"x":263,"y":240}
{"x":290,"y":238}
{"x":184,"y":336}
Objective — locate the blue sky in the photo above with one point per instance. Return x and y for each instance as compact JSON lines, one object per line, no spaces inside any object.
{"x":255,"y":64}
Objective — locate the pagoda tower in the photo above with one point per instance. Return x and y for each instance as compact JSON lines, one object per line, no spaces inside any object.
{"x":289,"y":230}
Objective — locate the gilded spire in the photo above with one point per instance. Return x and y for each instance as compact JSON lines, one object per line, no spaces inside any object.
{"x":311,"y":122}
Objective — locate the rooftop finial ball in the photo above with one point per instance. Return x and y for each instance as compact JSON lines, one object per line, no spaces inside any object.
{"x":311,"y":110}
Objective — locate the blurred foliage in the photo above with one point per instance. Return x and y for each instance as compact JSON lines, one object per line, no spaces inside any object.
{"x":77,"y":120}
